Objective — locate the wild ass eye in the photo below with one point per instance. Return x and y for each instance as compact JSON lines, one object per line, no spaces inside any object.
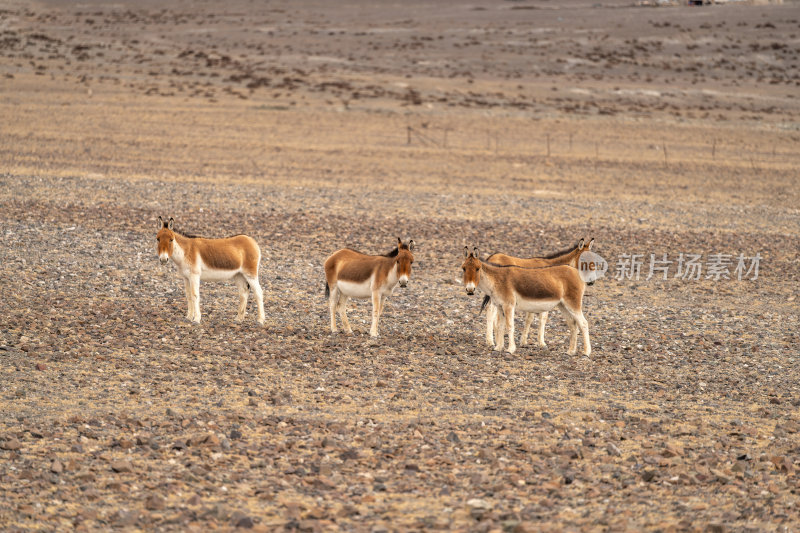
{"x":171,"y":240}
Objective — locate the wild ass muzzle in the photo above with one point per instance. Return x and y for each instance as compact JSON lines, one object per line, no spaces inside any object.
{"x":533,"y":290}
{"x":199,"y":259}
{"x":570,"y":256}
{"x":351,"y":274}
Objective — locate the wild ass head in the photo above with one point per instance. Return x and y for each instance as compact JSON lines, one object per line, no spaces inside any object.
{"x":404,"y":259}
{"x":472,"y":269}
{"x":165,"y":238}
{"x":582,"y":246}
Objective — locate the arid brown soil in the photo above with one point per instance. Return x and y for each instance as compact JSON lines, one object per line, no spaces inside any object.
{"x":512,"y":126}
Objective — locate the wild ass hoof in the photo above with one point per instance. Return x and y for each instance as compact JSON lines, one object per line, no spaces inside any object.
{"x":498,"y":348}
{"x":572,"y":352}
{"x":542,"y":345}
{"x":512,"y":348}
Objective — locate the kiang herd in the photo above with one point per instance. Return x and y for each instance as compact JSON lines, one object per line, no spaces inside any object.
{"x":510,"y":284}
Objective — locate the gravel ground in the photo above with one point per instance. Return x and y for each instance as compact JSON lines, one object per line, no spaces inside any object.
{"x":118,"y":412}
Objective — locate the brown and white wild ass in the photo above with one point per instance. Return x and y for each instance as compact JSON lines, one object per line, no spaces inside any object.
{"x":351,"y":274}
{"x":533,"y":290}
{"x":201,"y":259}
{"x":570,"y":256}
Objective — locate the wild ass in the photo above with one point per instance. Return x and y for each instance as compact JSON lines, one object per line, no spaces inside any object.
{"x":533,"y":290}
{"x":201,"y":259}
{"x":570,"y":256}
{"x":351,"y":274}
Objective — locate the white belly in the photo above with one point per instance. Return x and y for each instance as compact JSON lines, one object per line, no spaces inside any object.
{"x":211,"y":274}
{"x":355,"y":290}
{"x":535,"y":306}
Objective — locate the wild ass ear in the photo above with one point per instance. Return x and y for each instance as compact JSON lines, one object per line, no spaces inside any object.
{"x":399,"y":242}
{"x":466,"y":251}
{"x":475,"y":252}
{"x":170,"y":223}
{"x":411,"y":245}
{"x":160,"y":222}
{"x":580,"y":244}
{"x":591,"y":242}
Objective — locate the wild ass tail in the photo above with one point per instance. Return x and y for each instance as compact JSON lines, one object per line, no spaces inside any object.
{"x":485,"y":302}
{"x":327,"y":290}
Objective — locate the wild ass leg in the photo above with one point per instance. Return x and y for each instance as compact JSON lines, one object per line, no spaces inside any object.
{"x":491,"y":313}
{"x":573,"y":336}
{"x":584,"y":325}
{"x":189,"y":303}
{"x":508,"y":311}
{"x":542,"y":322}
{"x":528,"y":321}
{"x":194,"y":281}
{"x":383,"y":304}
{"x":500,"y":330}
{"x":376,"y":310}
{"x":241,"y":284}
{"x":333,"y":303}
{"x":569,"y":316}
{"x":499,"y":320}
{"x":256,"y":286}
{"x":343,"y":314}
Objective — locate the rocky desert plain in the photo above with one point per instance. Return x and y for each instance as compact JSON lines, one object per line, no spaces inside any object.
{"x":515,"y":126}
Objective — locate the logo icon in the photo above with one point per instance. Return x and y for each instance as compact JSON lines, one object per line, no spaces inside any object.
{"x":592,"y":267}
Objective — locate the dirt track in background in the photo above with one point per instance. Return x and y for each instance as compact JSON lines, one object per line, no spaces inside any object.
{"x":514,"y":126}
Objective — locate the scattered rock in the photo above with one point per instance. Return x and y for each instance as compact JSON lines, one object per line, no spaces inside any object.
{"x":648,"y":475}
{"x":125,"y":518}
{"x":11,"y":444}
{"x":242,"y":520}
{"x":122,"y":466}
{"x":155,"y":502}
{"x":612,"y":449}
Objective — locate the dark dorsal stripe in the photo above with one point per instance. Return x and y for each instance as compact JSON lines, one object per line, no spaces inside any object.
{"x":187,"y":235}
{"x":517,"y":266}
{"x":392,"y":253}
{"x":191,"y":236}
{"x":565,"y":251}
